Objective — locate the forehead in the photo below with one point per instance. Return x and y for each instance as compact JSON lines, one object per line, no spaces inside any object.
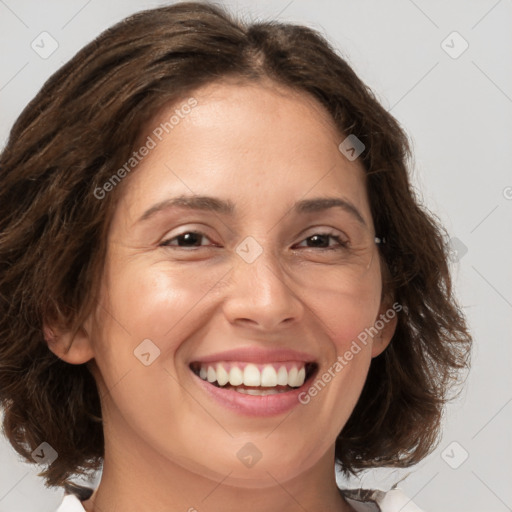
{"x":260,"y":111}
{"x":257,"y":144}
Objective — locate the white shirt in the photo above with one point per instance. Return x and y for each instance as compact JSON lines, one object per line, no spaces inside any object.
{"x":362,"y":501}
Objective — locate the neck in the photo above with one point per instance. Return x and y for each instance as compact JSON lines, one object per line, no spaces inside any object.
{"x":136,"y":479}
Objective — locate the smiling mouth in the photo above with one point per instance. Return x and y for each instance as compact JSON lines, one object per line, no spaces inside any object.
{"x":255,"y":379}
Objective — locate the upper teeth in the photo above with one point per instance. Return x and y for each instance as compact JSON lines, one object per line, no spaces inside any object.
{"x":267,"y":375}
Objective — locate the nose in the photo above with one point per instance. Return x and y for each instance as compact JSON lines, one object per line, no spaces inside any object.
{"x":261,"y":296}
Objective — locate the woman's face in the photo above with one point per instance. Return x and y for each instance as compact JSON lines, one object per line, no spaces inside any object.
{"x":242,"y":287}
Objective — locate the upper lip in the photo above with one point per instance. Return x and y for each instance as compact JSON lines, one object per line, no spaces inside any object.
{"x":257,"y":355}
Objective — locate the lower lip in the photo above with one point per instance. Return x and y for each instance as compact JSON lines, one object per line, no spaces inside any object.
{"x":254,"y":405}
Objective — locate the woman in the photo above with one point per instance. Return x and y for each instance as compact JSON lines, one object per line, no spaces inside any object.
{"x":217,"y":280}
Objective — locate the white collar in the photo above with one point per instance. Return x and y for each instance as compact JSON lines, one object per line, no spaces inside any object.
{"x":361,"y":500}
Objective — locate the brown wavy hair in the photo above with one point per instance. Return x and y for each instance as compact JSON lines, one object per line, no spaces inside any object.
{"x":84,"y":124}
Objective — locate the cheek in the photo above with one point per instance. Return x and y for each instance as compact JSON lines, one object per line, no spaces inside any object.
{"x":158,"y":300}
{"x":348,"y":310}
{"x":147,"y":302}
{"x":155,"y":302}
{"x":346,"y":314}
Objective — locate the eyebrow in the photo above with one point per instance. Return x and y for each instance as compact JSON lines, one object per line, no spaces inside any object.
{"x":227,"y":207}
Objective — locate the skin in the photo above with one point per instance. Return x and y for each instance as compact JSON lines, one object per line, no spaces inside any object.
{"x":167,"y":445}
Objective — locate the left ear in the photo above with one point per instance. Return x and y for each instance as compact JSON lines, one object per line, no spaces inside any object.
{"x":385,"y":323}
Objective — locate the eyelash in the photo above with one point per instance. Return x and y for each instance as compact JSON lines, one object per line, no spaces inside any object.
{"x":342,"y":243}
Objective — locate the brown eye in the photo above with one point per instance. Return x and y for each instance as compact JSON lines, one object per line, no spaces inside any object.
{"x":188,"y":239}
{"x":322,"y":241}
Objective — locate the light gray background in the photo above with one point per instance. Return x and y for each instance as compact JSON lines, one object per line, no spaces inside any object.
{"x":458,"y":113}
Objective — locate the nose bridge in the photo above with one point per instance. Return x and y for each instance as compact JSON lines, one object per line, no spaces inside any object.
{"x":259,"y":291}
{"x":258,"y":266}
